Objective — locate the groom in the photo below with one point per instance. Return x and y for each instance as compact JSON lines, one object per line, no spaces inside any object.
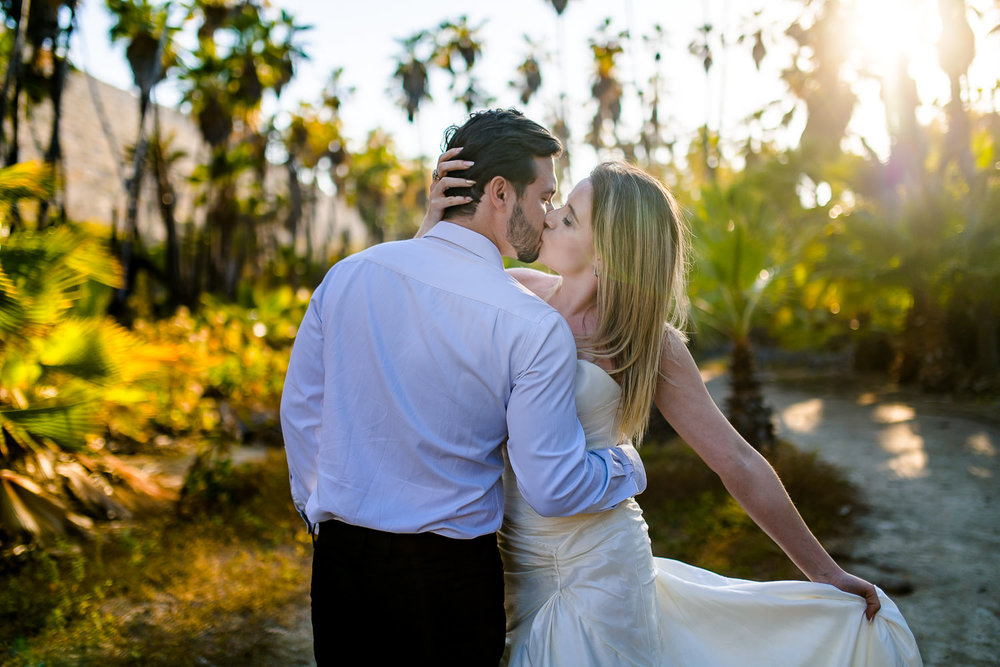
{"x":415,"y":361}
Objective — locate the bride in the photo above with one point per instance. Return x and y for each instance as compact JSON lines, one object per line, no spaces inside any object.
{"x":586,"y":590}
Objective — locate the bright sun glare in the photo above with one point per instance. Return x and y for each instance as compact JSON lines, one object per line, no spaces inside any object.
{"x":885,"y":30}
{"x":882,"y":35}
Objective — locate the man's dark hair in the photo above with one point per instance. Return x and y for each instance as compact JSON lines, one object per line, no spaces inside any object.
{"x":501,"y":142}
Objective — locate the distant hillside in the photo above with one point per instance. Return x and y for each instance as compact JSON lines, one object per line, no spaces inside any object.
{"x":94,"y":189}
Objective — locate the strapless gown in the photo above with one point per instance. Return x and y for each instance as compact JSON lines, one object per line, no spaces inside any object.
{"x":586,"y":591}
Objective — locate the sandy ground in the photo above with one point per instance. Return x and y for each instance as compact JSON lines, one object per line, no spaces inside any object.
{"x":930,"y":475}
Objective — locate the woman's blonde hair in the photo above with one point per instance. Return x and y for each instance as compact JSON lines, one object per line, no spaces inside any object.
{"x":640,"y":241}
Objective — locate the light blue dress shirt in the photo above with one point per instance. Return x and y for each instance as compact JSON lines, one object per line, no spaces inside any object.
{"x":415,"y":361}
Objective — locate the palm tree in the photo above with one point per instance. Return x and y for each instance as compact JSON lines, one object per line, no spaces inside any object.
{"x":956,"y":51}
{"x":411,"y":71}
{"x":458,"y":41}
{"x":18,"y":13}
{"x":43,"y":26}
{"x":314,"y":140}
{"x":151,"y":55}
{"x":829,"y":100}
{"x":748,"y":234}
{"x":241,"y":55}
{"x":606,"y":89}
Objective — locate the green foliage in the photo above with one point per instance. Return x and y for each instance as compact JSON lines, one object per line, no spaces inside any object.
{"x":57,"y":358}
{"x":141,"y":25}
{"x":387,"y":191}
{"x":218,"y":370}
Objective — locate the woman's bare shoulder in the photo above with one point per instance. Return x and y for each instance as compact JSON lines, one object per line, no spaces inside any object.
{"x":674,"y":353}
{"x":539,"y":282}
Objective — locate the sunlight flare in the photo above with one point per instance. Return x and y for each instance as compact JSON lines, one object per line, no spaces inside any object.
{"x":803,"y":417}
{"x":893,"y":413}
{"x":908,"y":457}
{"x":980,"y":444}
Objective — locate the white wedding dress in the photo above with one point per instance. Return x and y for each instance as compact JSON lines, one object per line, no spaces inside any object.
{"x":586,"y":591}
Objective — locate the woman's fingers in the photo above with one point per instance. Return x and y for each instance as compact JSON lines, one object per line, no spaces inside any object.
{"x":872,"y":604}
{"x":452,"y":165}
{"x":448,"y":154}
{"x":445,"y":202}
{"x":455,"y":182}
{"x":440,"y":186}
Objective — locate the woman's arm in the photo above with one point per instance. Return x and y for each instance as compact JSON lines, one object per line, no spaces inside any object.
{"x":684,"y":401}
{"x":440,"y":182}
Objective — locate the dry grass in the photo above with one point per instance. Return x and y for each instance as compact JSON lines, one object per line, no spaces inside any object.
{"x":217,"y":586}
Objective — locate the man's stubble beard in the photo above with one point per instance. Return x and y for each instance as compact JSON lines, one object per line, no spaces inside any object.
{"x":526,"y":240}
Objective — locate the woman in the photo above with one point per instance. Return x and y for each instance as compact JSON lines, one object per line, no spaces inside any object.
{"x":586,"y":590}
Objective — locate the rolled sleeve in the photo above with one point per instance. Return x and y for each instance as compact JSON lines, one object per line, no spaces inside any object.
{"x":547,"y":448}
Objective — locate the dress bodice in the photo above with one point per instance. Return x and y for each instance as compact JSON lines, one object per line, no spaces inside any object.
{"x":597,"y":399}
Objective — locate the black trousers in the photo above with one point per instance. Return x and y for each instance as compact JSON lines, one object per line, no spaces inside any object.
{"x":405,"y":599}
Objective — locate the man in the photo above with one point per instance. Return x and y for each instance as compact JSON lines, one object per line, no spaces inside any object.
{"x":415,"y":361}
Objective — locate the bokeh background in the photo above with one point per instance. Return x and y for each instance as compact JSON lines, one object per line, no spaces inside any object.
{"x":178,"y":176}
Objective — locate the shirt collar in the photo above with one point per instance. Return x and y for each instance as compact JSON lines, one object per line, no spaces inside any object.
{"x":467,"y":239}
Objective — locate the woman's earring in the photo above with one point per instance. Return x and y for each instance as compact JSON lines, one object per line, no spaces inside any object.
{"x":595,"y":270}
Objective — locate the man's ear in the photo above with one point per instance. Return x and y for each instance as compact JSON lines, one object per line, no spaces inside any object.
{"x":499,"y":192}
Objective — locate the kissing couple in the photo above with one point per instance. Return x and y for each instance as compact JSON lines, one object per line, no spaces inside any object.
{"x":461,"y":440}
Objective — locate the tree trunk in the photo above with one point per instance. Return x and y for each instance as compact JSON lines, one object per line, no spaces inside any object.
{"x":294,"y":200}
{"x":745,"y":406}
{"x":13,"y":75}
{"x":167,"y":200}
{"x":12,"y":155}
{"x":987,"y":357}
{"x":131,"y":234}
{"x":927,"y":356}
{"x":53,"y":155}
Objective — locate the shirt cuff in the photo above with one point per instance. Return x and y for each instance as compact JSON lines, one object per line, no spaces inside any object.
{"x":630,"y":461}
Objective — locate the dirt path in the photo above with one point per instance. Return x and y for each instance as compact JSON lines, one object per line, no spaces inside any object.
{"x":932,"y":483}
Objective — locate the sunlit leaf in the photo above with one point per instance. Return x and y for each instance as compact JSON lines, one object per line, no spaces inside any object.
{"x":25,"y":180}
{"x":64,"y":424}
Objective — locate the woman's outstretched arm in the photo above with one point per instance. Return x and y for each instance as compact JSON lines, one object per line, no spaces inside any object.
{"x":684,"y":401}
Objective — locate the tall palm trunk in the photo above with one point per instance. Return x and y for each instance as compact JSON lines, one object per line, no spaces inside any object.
{"x":745,"y":406}
{"x":928,"y":357}
{"x":987,"y":357}
{"x":15,"y":67}
{"x":131,"y":235}
{"x":57,"y":84}
{"x":167,"y":200}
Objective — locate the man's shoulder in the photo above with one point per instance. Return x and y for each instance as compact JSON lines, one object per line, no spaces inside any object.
{"x":439,"y":267}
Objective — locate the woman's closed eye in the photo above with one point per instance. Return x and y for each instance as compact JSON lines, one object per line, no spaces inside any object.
{"x":567,"y":221}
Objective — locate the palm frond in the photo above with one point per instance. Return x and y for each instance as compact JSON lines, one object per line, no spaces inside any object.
{"x":25,"y":507}
{"x":25,"y":180}
{"x":91,"y":491}
{"x":66,"y":424}
{"x":78,"y":347}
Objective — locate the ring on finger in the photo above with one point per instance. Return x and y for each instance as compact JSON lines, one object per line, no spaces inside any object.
{"x":434,"y":176}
